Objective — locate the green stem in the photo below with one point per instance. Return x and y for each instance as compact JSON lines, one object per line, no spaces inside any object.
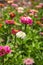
{"x":25,"y":27}
{"x":15,"y":38}
{"x":22,"y":49}
{"x":3,"y":60}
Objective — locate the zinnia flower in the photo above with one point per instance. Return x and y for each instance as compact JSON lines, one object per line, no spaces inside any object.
{"x":41,"y":33}
{"x":41,"y":4}
{"x":10,"y":1}
{"x":38,"y":6}
{"x":1,"y":5}
{"x":9,"y":22}
{"x":14,"y":31}
{"x":20,"y":9}
{"x":33,"y":11}
{"x":4,"y":50}
{"x":21,"y":35}
{"x":14,"y":5}
{"x":26,"y":20}
{"x":12,"y":15}
{"x":28,"y":61}
{"x":39,"y":23}
{"x":7,"y":49}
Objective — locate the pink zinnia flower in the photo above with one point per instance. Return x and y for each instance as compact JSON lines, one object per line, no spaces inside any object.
{"x":4,"y":50}
{"x":14,"y":5}
{"x":41,"y":4}
{"x":7,"y":49}
{"x":38,"y":6}
{"x":28,"y":61}
{"x":9,"y":22}
{"x":33,"y":11}
{"x":26,"y":20}
{"x":41,"y":33}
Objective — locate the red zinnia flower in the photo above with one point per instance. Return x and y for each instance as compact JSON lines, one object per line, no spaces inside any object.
{"x":12,"y":15}
{"x":14,"y":31}
{"x":9,"y":22}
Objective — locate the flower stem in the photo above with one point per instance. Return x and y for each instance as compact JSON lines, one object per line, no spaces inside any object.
{"x":22,"y":49}
{"x":25,"y":27}
{"x":15,"y":38}
{"x":3,"y":60}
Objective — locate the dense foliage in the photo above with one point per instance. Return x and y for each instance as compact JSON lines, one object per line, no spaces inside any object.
{"x":28,"y":45}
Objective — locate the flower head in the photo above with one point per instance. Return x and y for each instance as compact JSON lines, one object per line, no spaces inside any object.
{"x":12,"y":15}
{"x":9,"y":22}
{"x":28,"y":61}
{"x":39,"y":6}
{"x":7,"y":49}
{"x":10,"y":1}
{"x":14,"y":31}
{"x":20,"y":9}
{"x":4,"y":50}
{"x":41,"y":33}
{"x":14,"y":5}
{"x":21,"y":35}
{"x":26,"y":20}
{"x":33,"y":11}
{"x":1,"y":5}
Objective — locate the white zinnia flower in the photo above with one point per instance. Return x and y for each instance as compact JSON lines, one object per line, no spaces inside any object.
{"x":21,"y":35}
{"x":20,"y":9}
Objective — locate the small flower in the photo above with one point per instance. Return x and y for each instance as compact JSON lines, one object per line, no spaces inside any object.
{"x":7,"y":49}
{"x":41,"y":4}
{"x":38,"y":6}
{"x":12,"y":15}
{"x":1,"y":5}
{"x":9,"y":22}
{"x":28,"y":61}
{"x":36,"y":16}
{"x":14,"y":31}
{"x":21,"y":35}
{"x":38,"y":22}
{"x":20,"y":9}
{"x":4,"y":50}
{"x":31,"y":14}
{"x":26,"y":20}
{"x":14,"y":5}
{"x":33,"y":11}
{"x":41,"y":25}
{"x":41,"y":33}
{"x":10,"y":2}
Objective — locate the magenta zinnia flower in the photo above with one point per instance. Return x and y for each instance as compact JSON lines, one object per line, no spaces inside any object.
{"x":9,"y":22}
{"x":7,"y":49}
{"x":4,"y":50}
{"x":28,"y":61}
{"x":26,"y":20}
